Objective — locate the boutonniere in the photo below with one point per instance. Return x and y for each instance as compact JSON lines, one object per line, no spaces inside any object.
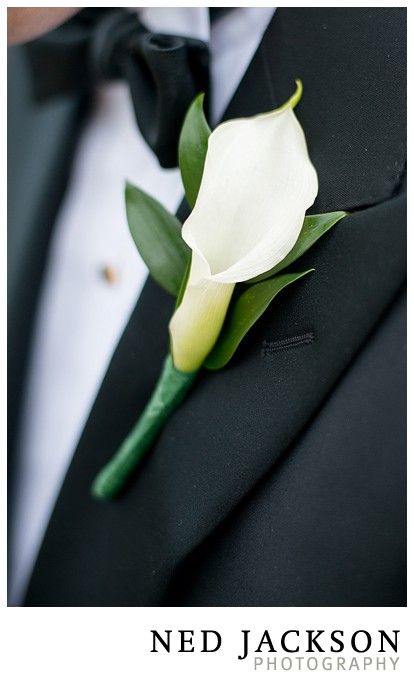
{"x":249,"y":184}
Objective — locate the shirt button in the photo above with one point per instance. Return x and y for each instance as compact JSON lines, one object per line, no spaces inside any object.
{"x":110,"y":274}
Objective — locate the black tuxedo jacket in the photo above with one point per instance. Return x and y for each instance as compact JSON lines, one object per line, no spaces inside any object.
{"x":281,"y":479}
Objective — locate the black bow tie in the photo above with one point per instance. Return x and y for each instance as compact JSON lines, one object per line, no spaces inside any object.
{"x":164,"y":72}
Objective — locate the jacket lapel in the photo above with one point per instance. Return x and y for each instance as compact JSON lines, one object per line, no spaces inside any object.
{"x":351,"y":63}
{"x":236,"y":423}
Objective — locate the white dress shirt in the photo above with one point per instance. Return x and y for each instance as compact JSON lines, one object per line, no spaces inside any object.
{"x":82,"y":313}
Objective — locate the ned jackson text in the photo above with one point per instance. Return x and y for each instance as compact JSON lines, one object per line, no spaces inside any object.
{"x":309,"y":649}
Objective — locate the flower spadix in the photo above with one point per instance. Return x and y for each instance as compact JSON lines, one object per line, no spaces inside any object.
{"x":257,"y":183}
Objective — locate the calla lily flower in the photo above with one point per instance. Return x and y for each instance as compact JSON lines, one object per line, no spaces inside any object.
{"x":257,"y":184}
{"x":251,"y":182}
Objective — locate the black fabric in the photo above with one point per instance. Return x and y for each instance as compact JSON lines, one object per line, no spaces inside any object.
{"x":164,"y":72}
{"x":338,"y":487}
{"x":272,"y":464}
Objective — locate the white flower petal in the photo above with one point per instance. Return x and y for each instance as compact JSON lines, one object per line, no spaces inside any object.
{"x":196,"y":324}
{"x":257,"y":183}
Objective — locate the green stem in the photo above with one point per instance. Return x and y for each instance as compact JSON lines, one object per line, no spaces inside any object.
{"x":169,"y":392}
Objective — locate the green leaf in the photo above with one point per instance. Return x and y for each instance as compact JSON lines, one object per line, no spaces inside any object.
{"x":192,"y":148}
{"x":157,"y":235}
{"x":183,"y":285}
{"x":313,"y":228}
{"x":244,"y":313}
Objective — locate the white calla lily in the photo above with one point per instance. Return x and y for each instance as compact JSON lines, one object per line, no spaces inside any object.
{"x":196,"y":324}
{"x":257,"y":183}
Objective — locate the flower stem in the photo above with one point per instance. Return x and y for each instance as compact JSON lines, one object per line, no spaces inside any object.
{"x":169,"y":392}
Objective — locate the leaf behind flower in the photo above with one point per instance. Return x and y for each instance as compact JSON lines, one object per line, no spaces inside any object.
{"x":244,"y":313}
{"x":192,"y":148}
{"x":313,"y":228}
{"x":157,"y":235}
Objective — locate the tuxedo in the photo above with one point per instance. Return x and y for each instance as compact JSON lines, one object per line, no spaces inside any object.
{"x":280,"y":481}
